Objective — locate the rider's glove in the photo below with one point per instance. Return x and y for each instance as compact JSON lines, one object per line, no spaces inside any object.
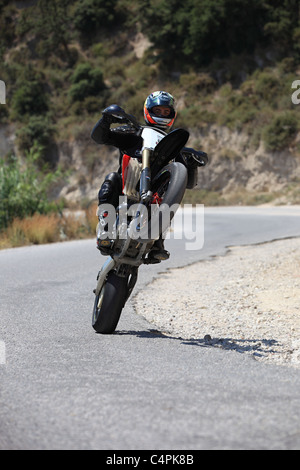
{"x":113,"y":114}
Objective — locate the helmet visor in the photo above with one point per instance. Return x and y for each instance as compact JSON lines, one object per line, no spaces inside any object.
{"x":161,"y":111}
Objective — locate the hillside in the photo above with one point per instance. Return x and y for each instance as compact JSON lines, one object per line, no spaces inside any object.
{"x":229,"y":63}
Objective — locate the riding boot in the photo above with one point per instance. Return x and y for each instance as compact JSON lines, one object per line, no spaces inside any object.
{"x":108,"y":196}
{"x":158,"y":251}
{"x":104,"y":241}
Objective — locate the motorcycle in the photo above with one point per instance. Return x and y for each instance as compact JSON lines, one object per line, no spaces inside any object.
{"x":153,"y":188}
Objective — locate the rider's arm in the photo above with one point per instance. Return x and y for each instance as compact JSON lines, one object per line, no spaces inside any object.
{"x":123,"y":137}
{"x":101,"y":132}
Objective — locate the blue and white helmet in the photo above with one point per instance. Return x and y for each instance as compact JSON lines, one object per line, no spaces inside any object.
{"x":159,"y":98}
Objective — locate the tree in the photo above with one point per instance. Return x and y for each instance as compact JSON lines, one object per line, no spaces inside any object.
{"x":30,"y":96}
{"x":196,"y":31}
{"x":282,"y":27}
{"x":51,"y":23}
{"x":90,"y":16}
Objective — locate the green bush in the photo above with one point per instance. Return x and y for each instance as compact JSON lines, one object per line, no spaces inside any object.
{"x":86,"y":81}
{"x":51,"y":24}
{"x":199,"y":31}
{"x":39,"y":129}
{"x":195,"y":117}
{"x":266,"y":85}
{"x":281,"y":131}
{"x":92,"y":15}
{"x":23,"y":191}
{"x":29,"y":98}
{"x":235,"y":111}
{"x":7,"y":23}
{"x":198,"y":83}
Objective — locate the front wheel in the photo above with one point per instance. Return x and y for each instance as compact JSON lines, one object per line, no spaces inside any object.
{"x":170,"y":183}
{"x":109,"y":303}
{"x":168,"y":188}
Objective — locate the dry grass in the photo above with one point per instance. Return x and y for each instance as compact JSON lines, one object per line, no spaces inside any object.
{"x":33,"y":230}
{"x":91,"y":217}
{"x":40,"y":229}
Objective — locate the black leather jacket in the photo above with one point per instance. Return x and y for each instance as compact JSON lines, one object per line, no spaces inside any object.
{"x":125,"y":138}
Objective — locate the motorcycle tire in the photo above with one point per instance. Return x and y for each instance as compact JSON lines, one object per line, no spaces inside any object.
{"x":109,"y":303}
{"x":170,"y":185}
{"x":175,"y":174}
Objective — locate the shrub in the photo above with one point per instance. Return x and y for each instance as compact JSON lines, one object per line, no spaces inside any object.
{"x":198,"y":83}
{"x":266,"y":85}
{"x":36,"y":229}
{"x":236,"y":112}
{"x":39,"y":129}
{"x":86,"y":81}
{"x":7,"y":23}
{"x":92,"y":15}
{"x":23,"y":191}
{"x":50,"y":23}
{"x":30,"y":98}
{"x":281,"y":131}
{"x":195,"y":116}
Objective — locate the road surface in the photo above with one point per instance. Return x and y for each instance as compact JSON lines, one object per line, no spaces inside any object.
{"x":62,"y":386}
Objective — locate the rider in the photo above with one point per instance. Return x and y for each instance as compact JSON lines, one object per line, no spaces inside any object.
{"x":159,"y":112}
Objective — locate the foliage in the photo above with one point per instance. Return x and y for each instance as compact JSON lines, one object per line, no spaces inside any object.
{"x":39,"y":129}
{"x":86,"y":81}
{"x":281,"y":131}
{"x":282,"y":25}
{"x":91,"y":16}
{"x":236,"y":111}
{"x":228,"y":62}
{"x":23,"y":191}
{"x":29,"y":99}
{"x":30,"y":96}
{"x":50,"y":22}
{"x":205,"y":42}
{"x":7,"y":24}
{"x":202,"y":30}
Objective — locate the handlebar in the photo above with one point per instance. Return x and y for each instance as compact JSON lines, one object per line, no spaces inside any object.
{"x":131,"y":120}
{"x":118,"y":113}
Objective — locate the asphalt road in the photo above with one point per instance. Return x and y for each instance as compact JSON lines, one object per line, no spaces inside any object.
{"x":62,"y":386}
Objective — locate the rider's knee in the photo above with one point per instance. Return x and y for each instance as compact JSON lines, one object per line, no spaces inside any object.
{"x":110,"y":189}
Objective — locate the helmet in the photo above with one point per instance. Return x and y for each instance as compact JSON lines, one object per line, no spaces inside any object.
{"x":159,"y":98}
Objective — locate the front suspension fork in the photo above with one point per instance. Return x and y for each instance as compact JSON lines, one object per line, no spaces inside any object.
{"x":145,"y":181}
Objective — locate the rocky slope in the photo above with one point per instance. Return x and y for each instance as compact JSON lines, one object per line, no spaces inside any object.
{"x":235,"y":167}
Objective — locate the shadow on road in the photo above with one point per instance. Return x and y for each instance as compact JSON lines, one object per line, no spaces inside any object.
{"x":256,"y":347}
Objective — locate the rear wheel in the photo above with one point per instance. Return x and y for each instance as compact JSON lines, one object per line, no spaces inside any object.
{"x":109,"y":303}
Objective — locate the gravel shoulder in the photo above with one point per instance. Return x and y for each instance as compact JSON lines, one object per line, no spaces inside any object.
{"x":247,"y":301}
